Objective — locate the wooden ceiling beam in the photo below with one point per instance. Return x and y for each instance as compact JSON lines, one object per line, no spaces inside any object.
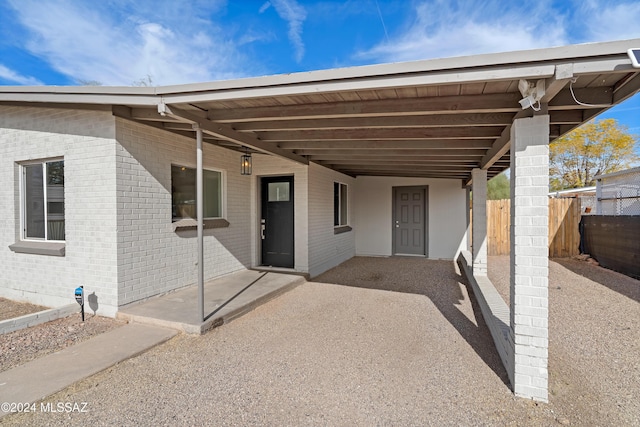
{"x":458,"y":104}
{"x":409,"y":174}
{"x":447,"y":169}
{"x":330,"y":157}
{"x":399,"y":164}
{"x":394,"y":152}
{"x":593,"y":95}
{"x":379,"y":134}
{"x":386,"y":145}
{"x":226,"y":132}
{"x":417,"y":121}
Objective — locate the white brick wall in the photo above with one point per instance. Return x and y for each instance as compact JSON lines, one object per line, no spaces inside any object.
{"x":120,"y":241}
{"x":479,"y":240}
{"x":529,"y":256}
{"x":152,"y":258}
{"x":264,"y":165}
{"x":85,"y":140}
{"x":326,"y":249}
{"x":317,"y":248}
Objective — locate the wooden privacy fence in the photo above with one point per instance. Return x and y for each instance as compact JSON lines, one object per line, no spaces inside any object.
{"x":564,"y":233}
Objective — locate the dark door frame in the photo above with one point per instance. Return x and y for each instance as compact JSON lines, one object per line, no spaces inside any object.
{"x":425,"y":199}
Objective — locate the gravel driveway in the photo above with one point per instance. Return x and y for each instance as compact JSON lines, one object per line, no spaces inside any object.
{"x":401,"y":345}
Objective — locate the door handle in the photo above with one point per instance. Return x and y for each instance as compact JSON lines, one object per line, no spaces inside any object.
{"x":262,"y":228}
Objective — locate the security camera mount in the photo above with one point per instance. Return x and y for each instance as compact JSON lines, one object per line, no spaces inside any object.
{"x":532,"y":92}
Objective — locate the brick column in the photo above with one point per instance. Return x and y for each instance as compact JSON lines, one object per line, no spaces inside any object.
{"x":530,"y":256}
{"x":479,"y":238}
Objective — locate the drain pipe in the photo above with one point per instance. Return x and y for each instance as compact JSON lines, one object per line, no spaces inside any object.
{"x":200,"y":220}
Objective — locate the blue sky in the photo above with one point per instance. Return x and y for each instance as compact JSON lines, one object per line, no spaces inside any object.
{"x":124,"y":42}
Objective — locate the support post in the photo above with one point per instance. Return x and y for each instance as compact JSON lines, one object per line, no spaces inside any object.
{"x":469,"y":222}
{"x":479,"y":238}
{"x":530,"y":257}
{"x":200,"y":220}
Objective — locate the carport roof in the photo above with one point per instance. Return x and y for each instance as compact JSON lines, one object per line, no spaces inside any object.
{"x":434,"y":118}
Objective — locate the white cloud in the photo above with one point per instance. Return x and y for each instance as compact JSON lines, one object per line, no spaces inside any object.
{"x":295,"y":15}
{"x":604,"y":22}
{"x":125,"y":41}
{"x":442,"y":28}
{"x":14,"y":77}
{"x":264,"y":7}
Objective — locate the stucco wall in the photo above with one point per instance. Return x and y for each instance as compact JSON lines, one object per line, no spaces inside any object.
{"x":85,"y":139}
{"x":152,"y":257}
{"x":373,"y":207}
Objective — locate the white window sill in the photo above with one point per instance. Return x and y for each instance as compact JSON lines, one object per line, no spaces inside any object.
{"x":192,"y":224}
{"x":39,"y":248}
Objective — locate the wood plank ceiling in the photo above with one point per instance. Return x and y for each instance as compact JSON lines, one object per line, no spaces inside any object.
{"x":431,"y":131}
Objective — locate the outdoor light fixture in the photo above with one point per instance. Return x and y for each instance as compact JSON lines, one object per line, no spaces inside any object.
{"x":245,"y":163}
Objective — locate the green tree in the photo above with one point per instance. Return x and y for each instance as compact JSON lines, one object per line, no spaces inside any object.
{"x":498,"y":187}
{"x":595,"y":148}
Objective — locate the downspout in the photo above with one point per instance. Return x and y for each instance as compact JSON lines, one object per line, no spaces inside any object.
{"x":200,"y":220}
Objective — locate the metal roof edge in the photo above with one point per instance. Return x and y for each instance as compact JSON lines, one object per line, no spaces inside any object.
{"x":618,"y":173}
{"x":152,"y":95}
{"x":521,"y":57}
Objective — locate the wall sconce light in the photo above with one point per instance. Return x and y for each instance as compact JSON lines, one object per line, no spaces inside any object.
{"x":245,"y":163}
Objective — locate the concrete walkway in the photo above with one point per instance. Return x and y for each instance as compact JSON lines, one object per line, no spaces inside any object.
{"x":42,"y":377}
{"x":151,"y":322}
{"x":225,"y":298}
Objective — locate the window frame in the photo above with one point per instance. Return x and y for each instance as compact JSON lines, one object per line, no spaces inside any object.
{"x":338,"y":202}
{"x":223,"y":196}
{"x":23,"y":200}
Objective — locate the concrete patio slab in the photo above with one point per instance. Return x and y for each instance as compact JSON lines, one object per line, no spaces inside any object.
{"x":225,"y":298}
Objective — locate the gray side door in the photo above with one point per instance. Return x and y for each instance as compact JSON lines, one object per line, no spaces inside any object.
{"x":410,"y":234}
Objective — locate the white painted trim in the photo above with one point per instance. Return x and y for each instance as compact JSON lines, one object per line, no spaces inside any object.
{"x":23,"y":190}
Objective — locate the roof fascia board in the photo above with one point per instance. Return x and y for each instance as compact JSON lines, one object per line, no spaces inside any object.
{"x":569,"y":53}
{"x":509,"y":65}
{"x":425,"y":78}
{"x":76,"y":98}
{"x":82,"y":90}
{"x":71,"y":106}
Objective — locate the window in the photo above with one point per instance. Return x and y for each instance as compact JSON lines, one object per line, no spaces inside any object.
{"x":43,"y":200}
{"x":340,"y":207}
{"x":183,"y":193}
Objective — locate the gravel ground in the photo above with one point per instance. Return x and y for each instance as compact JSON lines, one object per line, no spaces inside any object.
{"x":330,"y":354}
{"x":594,"y":340}
{"x":19,"y":347}
{"x":10,"y":309}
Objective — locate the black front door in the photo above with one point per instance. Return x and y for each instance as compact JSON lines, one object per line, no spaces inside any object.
{"x":276,"y":223}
